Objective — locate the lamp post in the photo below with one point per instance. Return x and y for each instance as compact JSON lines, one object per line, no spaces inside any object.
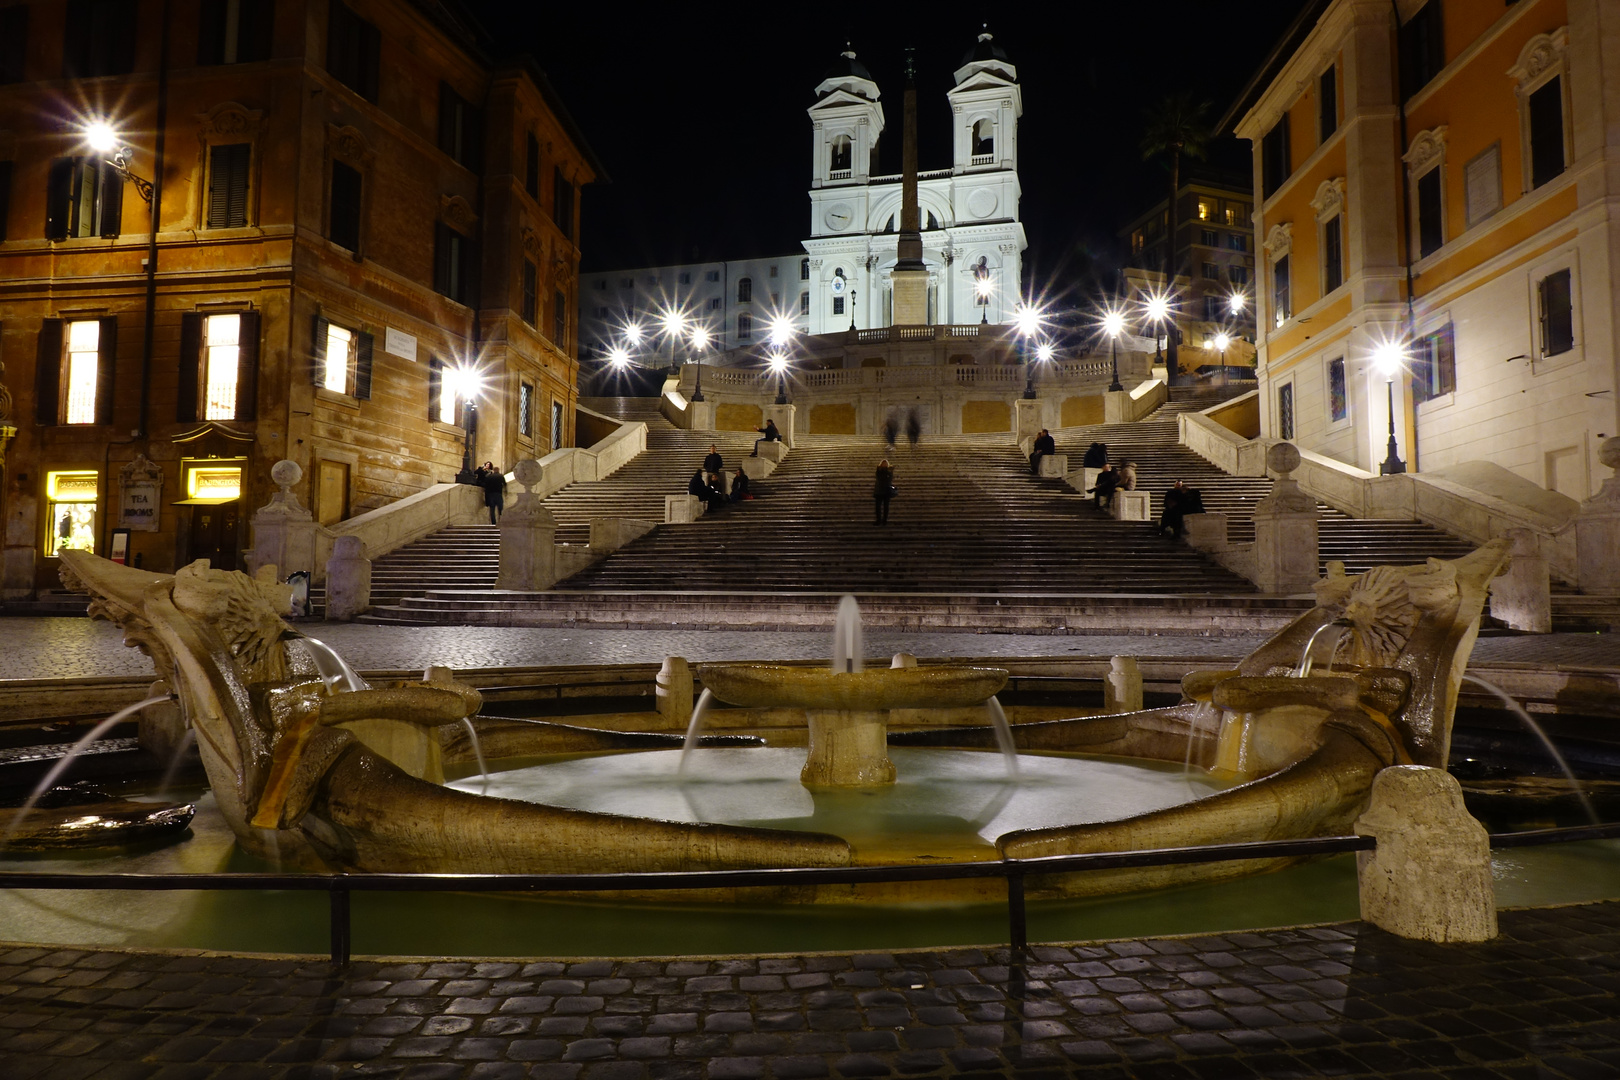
{"x":1113,"y":325}
{"x":1028,"y":321}
{"x":781,"y":339}
{"x":982,"y":289}
{"x":1389,"y":358}
{"x":1158,"y":310}
{"x":105,"y":141}
{"x":852,"y":295}
{"x":673,"y":324}
{"x":1222,"y":340}
{"x":700,"y":341}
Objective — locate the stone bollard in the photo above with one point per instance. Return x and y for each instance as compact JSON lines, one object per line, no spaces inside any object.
{"x":1522,"y":597}
{"x":1430,"y":876}
{"x":348,"y":580}
{"x":528,"y":536}
{"x":284,"y":533}
{"x":1122,"y":686}
{"x":903,"y":660}
{"x":1285,"y":540}
{"x":1597,"y":530}
{"x":1026,"y":421}
{"x":160,"y":729}
{"x":674,"y":692}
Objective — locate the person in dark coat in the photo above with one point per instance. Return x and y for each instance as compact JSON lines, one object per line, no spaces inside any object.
{"x":1179,"y":501}
{"x":713,"y":462}
{"x":882,"y":492}
{"x":739,"y":486}
{"x":1044,"y":445}
{"x":770,"y":435}
{"x":913,"y":427}
{"x":699,"y":487}
{"x":1096,"y":456}
{"x":717,"y":484}
{"x":1107,"y":484}
{"x":493,"y":481}
{"x":891,"y":431}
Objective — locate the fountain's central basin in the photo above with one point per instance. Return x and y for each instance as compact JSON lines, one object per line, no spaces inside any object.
{"x":946,"y":804}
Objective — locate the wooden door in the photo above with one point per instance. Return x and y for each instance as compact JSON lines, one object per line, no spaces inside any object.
{"x":332,"y":492}
{"x":214,"y":533}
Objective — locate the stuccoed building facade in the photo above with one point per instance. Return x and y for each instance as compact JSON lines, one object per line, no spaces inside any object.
{"x":1438,"y":176}
{"x":352,"y":202}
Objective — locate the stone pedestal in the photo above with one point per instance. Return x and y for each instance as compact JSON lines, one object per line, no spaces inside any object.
{"x":348,"y":580}
{"x":758,"y":468}
{"x":1522,"y":597}
{"x":1055,"y":465}
{"x":673,"y":689}
{"x":1430,"y":876}
{"x":847,"y":749}
{"x":1117,"y":407}
{"x":1122,"y":686}
{"x":1027,"y":420}
{"x":1083,"y":479}
{"x":783,"y":415}
{"x":1132,"y":506}
{"x":683,"y":509}
{"x":1206,"y":531}
{"x":1285,"y":541}
{"x":1597,"y":531}
{"x":528,"y":537}
{"x":772,"y":452}
{"x":284,"y":532}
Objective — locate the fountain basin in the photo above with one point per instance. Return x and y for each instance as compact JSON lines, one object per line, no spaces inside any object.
{"x":764,"y":685}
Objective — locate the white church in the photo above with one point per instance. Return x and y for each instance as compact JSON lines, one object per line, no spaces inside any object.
{"x":973,"y":242}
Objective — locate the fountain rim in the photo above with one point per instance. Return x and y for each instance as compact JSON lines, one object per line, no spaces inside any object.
{"x":764,"y":685}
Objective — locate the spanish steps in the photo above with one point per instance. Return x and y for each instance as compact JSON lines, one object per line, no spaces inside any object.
{"x":971,"y":531}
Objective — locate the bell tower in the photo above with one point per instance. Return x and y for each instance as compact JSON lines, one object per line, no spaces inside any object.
{"x":845,"y":123}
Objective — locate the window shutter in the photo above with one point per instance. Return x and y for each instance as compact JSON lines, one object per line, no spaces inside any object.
{"x":58,"y":199}
{"x":472,"y":138}
{"x":211,"y":33}
{"x":370,"y":60}
{"x":13,"y":43}
{"x":435,"y":388}
{"x":258,"y":25}
{"x":5,"y":196}
{"x":531,"y":168}
{"x":237,"y":187}
{"x":317,"y":351}
{"x":191,"y":367}
{"x":111,"y":204}
{"x":1445,"y":358}
{"x":448,"y":100}
{"x":48,"y":374}
{"x":362,"y":367}
{"x":247,"y":367}
{"x":106,"y":369}
{"x":76,"y":41}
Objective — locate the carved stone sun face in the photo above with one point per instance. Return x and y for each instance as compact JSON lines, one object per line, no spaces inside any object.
{"x":1382,"y":616}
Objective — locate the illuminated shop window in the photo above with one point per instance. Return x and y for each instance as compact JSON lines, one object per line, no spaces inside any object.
{"x":214,"y":483}
{"x":222,"y":335}
{"x":71,"y":497}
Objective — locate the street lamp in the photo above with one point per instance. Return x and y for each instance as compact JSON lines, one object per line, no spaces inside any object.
{"x":101,"y":137}
{"x":1158,"y":310}
{"x":1113,"y":326}
{"x":779,"y":363}
{"x":700,"y":341}
{"x":982,"y":289}
{"x":1027,"y":320}
{"x":781,"y":340}
{"x":673,"y":324}
{"x":1389,"y":358}
{"x":1222,"y":340}
{"x":464,"y":385}
{"x":1236,"y":303}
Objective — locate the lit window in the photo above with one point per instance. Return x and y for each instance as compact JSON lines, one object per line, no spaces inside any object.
{"x":1206,"y":209}
{"x":447,"y":400}
{"x":339,"y":341}
{"x":214,"y":483}
{"x":84,"y":340}
{"x":72,"y":516}
{"x":221,"y":356}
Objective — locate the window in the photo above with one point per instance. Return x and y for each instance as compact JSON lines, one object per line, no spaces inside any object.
{"x":1332,"y":253}
{"x":556,"y":425}
{"x":73,"y":373}
{"x":1422,"y":49}
{"x":1237,"y":242}
{"x":1482,"y":177}
{"x":627,"y":283}
{"x":773,"y":271}
{"x":1338,"y":400}
{"x":711,"y":276}
{"x":342,"y":359}
{"x":1557,"y":309}
{"x":1275,"y":162}
{"x":531,"y":293}
{"x":83,"y":369}
{"x":1211,"y":271}
{"x":1209,"y":238}
{"x":984,"y":138}
{"x":1546,"y":116}
{"x":714,"y":303}
{"x":526,"y":410}
{"x":1327,"y":103}
{"x":14,"y":43}
{"x":344,"y":226}
{"x":441,"y":393}
{"x":353,"y":50}
{"x":228,"y":185}
{"x":601,"y":286}
{"x":684,"y":277}
{"x":745,"y":326}
{"x":452,"y":264}
{"x":1206,"y":211}
{"x":218,"y":366}
{"x":460,"y":128}
{"x":1434,"y":364}
{"x":838,"y":305}
{"x":1238,"y":275}
{"x":804,"y":303}
{"x":562,"y":202}
{"x":1285,"y":411}
{"x":99,"y":38}
{"x":531,"y":166}
{"x":72,"y":498}
{"x":839,"y":158}
{"x":804,"y":269}
{"x":234,"y":31}
{"x":84,"y":196}
{"x":1281,"y":302}
{"x":559,"y":320}
{"x":5,"y":196}
{"x":745,"y":290}
{"x":1430,"y":221}
{"x":1215,"y":308}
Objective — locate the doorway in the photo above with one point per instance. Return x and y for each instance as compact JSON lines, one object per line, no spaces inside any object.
{"x":332,"y":492}
{"x":214,"y":533}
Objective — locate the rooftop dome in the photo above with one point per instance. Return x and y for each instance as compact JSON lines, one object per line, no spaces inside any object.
{"x":846,"y":66}
{"x":985,"y":49}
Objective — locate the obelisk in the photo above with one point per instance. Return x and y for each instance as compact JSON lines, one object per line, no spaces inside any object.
{"x":910,"y":277}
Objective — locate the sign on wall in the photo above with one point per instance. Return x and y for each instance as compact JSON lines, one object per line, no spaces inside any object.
{"x":140,"y":485}
{"x":400,"y":343}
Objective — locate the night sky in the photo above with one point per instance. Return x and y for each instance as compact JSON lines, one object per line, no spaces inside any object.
{"x":698,"y":111}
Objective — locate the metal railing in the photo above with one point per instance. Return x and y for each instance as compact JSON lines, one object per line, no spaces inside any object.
{"x":340,"y":887}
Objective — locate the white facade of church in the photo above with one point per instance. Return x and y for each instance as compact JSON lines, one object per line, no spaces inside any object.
{"x":968,"y":212}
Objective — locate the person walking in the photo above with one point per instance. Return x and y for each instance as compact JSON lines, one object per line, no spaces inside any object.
{"x":770,"y":435}
{"x":713,"y":462}
{"x":891,"y":431}
{"x":493,"y":481}
{"x":883,"y":490}
{"x":913,"y":428}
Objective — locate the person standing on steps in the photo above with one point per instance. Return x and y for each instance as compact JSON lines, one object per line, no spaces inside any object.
{"x":770,"y":435}
{"x":883,"y":490}
{"x":1044,"y":445}
{"x":713,"y":462}
{"x":493,"y":481}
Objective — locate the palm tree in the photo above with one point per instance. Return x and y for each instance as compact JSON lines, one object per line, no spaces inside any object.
{"x":1177,"y":127}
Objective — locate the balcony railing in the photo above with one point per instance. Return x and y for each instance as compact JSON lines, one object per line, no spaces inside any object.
{"x":982,"y":159}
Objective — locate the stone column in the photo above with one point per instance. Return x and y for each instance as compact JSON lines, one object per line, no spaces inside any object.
{"x":1122,"y":686}
{"x":783,"y":415}
{"x":284,"y":533}
{"x":1522,"y":597}
{"x":528,"y":537}
{"x":1285,"y":543}
{"x":348,"y":580}
{"x":1430,"y":876}
{"x":1027,"y":420}
{"x":673,"y":688}
{"x":1597,"y":530}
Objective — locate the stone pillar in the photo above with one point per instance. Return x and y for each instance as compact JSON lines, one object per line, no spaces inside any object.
{"x":1027,"y":420}
{"x":783,"y":415}
{"x":284,"y":533}
{"x":1522,"y":597}
{"x":348,"y":580}
{"x":1122,"y":686}
{"x":1597,"y":530}
{"x":1430,"y":876}
{"x":1285,"y":543}
{"x":674,"y":692}
{"x":528,"y":537}
{"x":1117,"y":407}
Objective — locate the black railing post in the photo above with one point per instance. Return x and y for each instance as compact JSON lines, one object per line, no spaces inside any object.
{"x":338,"y":896}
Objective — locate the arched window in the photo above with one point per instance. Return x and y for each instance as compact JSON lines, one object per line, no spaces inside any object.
{"x":984,"y":138}
{"x":745,"y":290}
{"x":841,"y":152}
{"x":745,"y":325}
{"x":889,"y":225}
{"x":933,"y":222}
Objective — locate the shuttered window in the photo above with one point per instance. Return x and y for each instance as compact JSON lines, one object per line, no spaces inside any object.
{"x":531,"y":167}
{"x":228,"y":185}
{"x":98,"y":38}
{"x":1557,"y":303}
{"x":559,"y":321}
{"x":452,"y":264}
{"x":562,"y":203}
{"x":1547,"y":132}
{"x":234,"y":31}
{"x":74,"y":370}
{"x":353,"y":50}
{"x":531,"y":293}
{"x":14,"y":43}
{"x":84,"y":196}
{"x":344,"y":227}
{"x":459,"y":128}
{"x":341,"y":359}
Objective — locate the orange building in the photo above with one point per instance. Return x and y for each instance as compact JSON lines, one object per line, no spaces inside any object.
{"x":1436,"y":229}
{"x":302,"y":223}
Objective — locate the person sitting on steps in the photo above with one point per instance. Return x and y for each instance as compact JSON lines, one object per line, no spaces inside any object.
{"x":1107,"y":483}
{"x":1179,"y":501}
{"x":739,"y":486}
{"x":770,"y":435}
{"x":698,"y":487}
{"x":1044,"y":445}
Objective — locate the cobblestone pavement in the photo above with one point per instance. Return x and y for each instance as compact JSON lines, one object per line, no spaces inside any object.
{"x":37,"y":648}
{"x":1345,"y":1000}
